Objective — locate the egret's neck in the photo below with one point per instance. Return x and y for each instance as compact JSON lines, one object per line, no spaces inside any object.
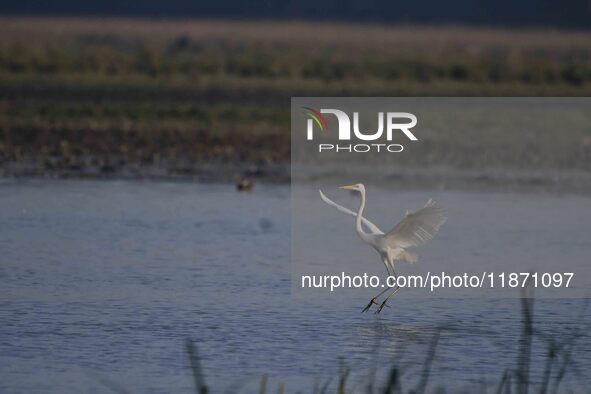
{"x":360,"y":214}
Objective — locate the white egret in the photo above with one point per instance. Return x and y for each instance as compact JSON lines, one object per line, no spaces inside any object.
{"x":414,"y":230}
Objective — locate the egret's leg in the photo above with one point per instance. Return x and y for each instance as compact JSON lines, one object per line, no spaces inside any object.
{"x":390,"y":271}
{"x":373,"y":300}
{"x":386,"y":300}
{"x":396,"y":289}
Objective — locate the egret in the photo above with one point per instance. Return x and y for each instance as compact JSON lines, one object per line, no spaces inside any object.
{"x":417,"y":228}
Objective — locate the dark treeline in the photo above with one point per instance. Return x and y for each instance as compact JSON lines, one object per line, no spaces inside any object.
{"x":548,"y":13}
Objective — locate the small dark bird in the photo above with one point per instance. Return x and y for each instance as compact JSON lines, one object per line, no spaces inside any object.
{"x":244,"y":185}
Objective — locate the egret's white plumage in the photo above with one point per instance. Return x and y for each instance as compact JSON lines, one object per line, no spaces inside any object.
{"x":415,"y":229}
{"x":370,"y":226}
{"x":418,"y":227}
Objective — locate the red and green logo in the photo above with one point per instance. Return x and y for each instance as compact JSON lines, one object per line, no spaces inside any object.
{"x":317,"y":117}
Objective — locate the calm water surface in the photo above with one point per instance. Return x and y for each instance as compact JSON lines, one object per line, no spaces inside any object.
{"x":101,"y":283}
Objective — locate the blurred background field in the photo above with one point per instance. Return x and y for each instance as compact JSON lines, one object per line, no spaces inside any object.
{"x":208,"y":99}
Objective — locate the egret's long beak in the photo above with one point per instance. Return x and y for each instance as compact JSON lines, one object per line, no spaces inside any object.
{"x":348,"y":187}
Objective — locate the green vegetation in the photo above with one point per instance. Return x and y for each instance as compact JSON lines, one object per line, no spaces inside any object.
{"x":100,"y":95}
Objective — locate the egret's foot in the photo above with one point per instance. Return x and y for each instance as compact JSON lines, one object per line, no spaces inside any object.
{"x":382,"y":307}
{"x":373,"y":301}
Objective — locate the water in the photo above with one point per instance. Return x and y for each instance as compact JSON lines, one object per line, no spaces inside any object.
{"x":101,"y":283}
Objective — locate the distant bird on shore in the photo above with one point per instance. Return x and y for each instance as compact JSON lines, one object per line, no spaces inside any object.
{"x":244,"y":185}
{"x":414,"y":230}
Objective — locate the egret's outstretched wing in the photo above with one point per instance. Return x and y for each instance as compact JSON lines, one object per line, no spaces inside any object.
{"x":370,"y":226}
{"x":418,"y":227}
